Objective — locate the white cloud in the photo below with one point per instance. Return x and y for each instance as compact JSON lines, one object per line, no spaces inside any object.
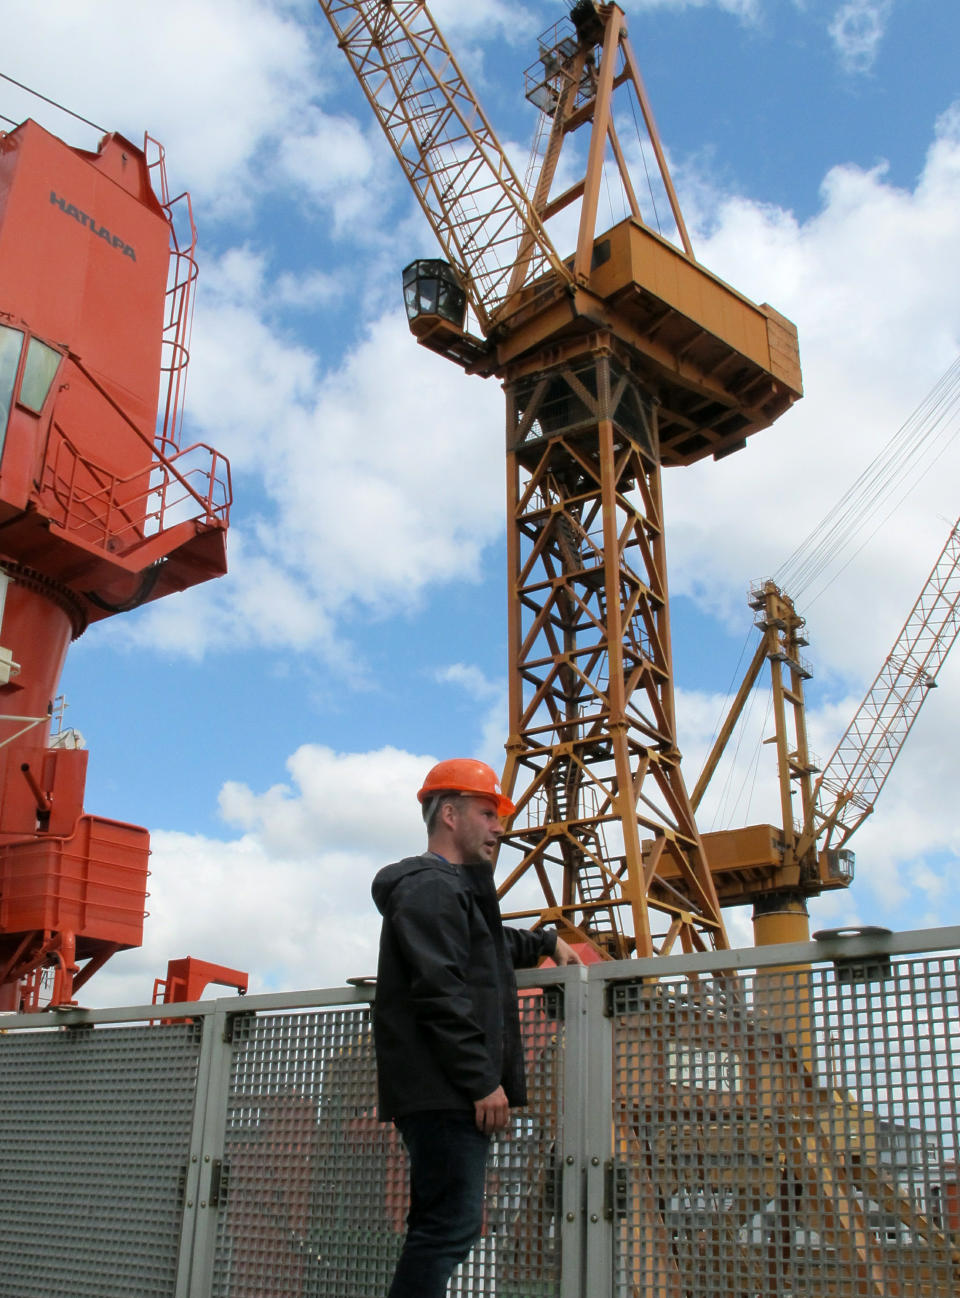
{"x":334,"y":163}
{"x":857,"y":30}
{"x":380,"y":478}
{"x":340,"y":802}
{"x":214,"y":88}
{"x":305,"y":292}
{"x":490,"y":700}
{"x":746,"y":10}
{"x":471,"y":679}
{"x":288,"y":899}
{"x":235,"y":100}
{"x":466,"y":26}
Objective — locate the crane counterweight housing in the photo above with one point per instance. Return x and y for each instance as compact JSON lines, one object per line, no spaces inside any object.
{"x":101,"y":509}
{"x":721,"y":367}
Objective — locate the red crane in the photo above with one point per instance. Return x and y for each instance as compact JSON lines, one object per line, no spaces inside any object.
{"x":101,"y":509}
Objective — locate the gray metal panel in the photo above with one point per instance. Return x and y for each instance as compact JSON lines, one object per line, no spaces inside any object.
{"x":315,"y":1182}
{"x":772,"y":1133}
{"x":95,"y":1134}
{"x":520,"y":1252}
{"x":793,"y":1132}
{"x":317,"y":1186}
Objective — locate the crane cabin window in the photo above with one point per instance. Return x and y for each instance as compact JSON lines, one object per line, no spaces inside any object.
{"x":38,"y":374}
{"x":11,"y":343}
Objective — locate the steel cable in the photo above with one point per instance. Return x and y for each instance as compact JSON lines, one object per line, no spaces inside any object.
{"x":53,"y":102}
{"x":918,"y":444}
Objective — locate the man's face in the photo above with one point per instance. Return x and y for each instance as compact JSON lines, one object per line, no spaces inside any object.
{"x":476,"y":829}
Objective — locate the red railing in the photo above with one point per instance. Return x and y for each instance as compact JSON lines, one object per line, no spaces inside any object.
{"x":115,"y":512}
{"x":178,"y":308}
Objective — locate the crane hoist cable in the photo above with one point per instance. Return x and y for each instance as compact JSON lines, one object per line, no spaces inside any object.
{"x":906,"y":455}
{"x":914,"y":442}
{"x":735,"y":677}
{"x":756,"y":761}
{"x":730,"y":798}
{"x":904,"y":461}
{"x":53,"y":102}
{"x":880,"y":520}
{"x":918,"y":444}
{"x":646,"y":169}
{"x":874,"y":512}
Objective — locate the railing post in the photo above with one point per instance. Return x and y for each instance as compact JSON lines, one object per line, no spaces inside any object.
{"x":598,"y":1270}
{"x":198,"y":1245}
{"x":571,"y":1150}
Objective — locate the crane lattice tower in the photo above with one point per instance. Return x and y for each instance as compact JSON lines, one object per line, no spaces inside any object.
{"x":624,"y":358}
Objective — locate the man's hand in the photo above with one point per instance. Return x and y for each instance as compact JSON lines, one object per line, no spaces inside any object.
{"x":493,"y":1112}
{"x":565,"y":954}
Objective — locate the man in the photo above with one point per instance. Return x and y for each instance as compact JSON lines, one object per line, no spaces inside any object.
{"x":446,"y":1022}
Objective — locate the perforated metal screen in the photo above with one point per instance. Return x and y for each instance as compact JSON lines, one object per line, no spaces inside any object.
{"x":94,"y":1144}
{"x":316,"y":1187}
{"x":788,"y":1133}
{"x":519,"y":1253}
{"x":772,"y":1134}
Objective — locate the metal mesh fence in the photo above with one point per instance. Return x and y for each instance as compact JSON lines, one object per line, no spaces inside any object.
{"x":316,"y":1185}
{"x":519,"y":1253}
{"x":94,"y":1143}
{"x":791,"y":1132}
{"x":771,"y":1134}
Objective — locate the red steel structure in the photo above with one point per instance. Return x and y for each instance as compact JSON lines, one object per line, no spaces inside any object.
{"x":101,"y":509}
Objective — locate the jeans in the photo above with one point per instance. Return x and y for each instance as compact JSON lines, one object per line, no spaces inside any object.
{"x":448,"y":1161}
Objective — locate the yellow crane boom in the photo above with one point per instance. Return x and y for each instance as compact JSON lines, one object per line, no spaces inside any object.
{"x":450,"y":154}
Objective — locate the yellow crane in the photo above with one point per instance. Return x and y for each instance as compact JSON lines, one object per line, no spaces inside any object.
{"x":619,"y":358}
{"x":778,"y":868}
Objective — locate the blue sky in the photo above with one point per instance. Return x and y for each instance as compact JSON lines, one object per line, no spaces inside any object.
{"x":271,"y":729}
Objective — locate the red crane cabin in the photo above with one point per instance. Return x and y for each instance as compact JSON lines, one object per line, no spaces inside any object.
{"x":99,"y":512}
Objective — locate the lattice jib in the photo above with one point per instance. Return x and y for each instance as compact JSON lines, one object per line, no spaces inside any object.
{"x":463,"y":180}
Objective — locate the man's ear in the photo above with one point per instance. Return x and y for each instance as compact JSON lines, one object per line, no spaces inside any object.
{"x":448,"y":813}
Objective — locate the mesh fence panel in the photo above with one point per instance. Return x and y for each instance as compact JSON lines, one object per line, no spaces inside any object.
{"x":94,"y":1140}
{"x":793,"y":1132}
{"x":518,"y":1255}
{"x":317,"y":1186}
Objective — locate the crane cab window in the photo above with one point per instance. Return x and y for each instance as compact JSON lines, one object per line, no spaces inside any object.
{"x":11,"y":342}
{"x":38,"y":373}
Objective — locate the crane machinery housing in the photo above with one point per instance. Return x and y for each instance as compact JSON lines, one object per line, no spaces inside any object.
{"x":101,"y":510}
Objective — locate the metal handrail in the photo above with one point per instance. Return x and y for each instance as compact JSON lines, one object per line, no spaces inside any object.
{"x":61,"y":481}
{"x":840,"y":945}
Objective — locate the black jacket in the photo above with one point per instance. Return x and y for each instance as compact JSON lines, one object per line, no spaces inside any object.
{"x":445,"y":1018}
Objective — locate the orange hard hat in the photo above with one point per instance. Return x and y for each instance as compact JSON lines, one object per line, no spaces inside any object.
{"x":465,"y":775}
